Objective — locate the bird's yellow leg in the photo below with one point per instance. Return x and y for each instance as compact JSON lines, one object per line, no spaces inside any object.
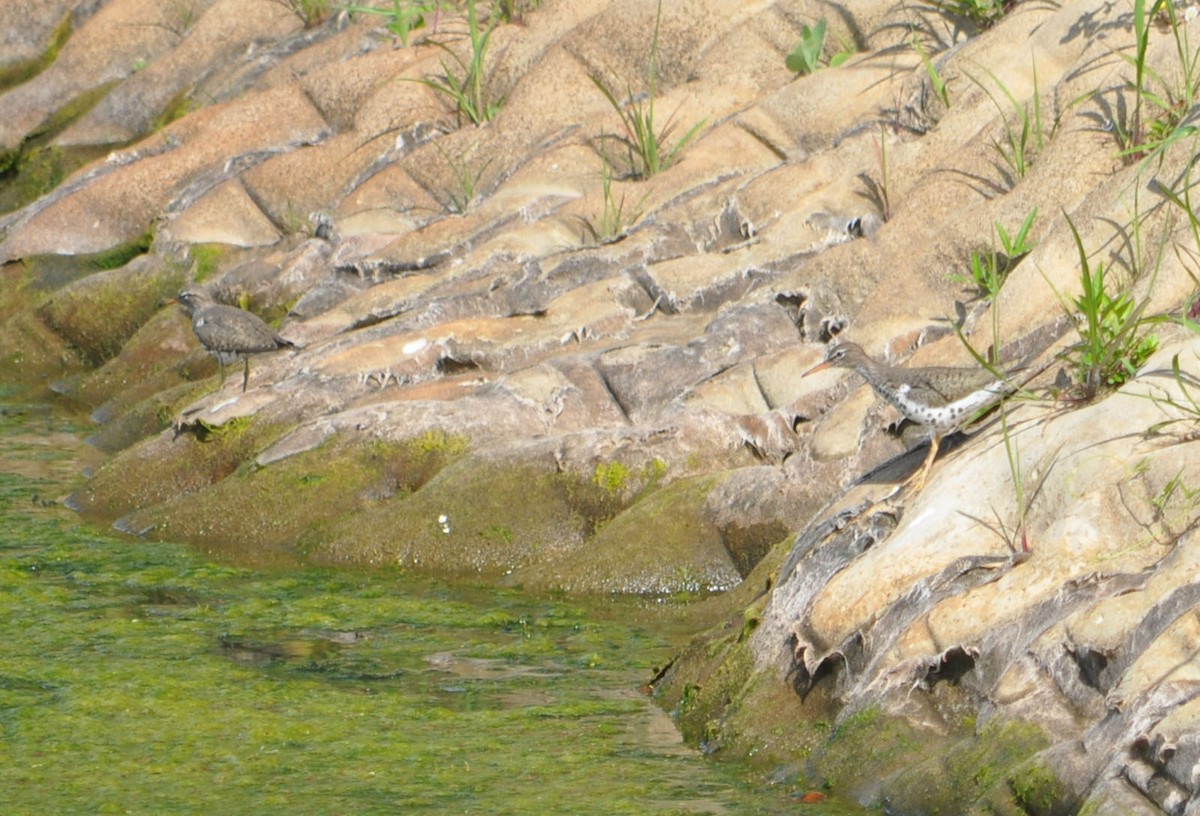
{"x":245,"y":371}
{"x":917,"y":480}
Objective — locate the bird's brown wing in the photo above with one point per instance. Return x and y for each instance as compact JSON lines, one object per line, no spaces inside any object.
{"x":941,"y":386}
{"x":233,"y":330}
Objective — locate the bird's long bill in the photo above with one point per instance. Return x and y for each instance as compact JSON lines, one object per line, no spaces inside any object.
{"x":818,"y":367}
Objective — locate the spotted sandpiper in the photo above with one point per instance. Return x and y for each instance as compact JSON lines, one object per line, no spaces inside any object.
{"x":229,"y":332}
{"x":940,"y":398}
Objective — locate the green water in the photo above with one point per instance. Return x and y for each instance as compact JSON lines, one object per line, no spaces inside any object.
{"x":143,"y":678}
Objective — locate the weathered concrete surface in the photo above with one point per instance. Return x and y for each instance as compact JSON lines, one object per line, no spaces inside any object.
{"x":489,"y":385}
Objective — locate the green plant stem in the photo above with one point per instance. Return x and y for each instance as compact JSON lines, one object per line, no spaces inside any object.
{"x":935,"y":79}
{"x":466,"y":86}
{"x":648,"y":148}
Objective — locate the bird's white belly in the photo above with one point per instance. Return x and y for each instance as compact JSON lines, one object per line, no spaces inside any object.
{"x":947,"y":417}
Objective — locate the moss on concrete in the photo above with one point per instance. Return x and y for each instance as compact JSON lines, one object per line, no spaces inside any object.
{"x":16,"y":73}
{"x":977,"y":773}
{"x":177,"y":107}
{"x":719,"y":672}
{"x":34,"y":171}
{"x":269,"y":512}
{"x":166,"y":467}
{"x":664,"y":543}
{"x":126,"y":421}
{"x":723,"y":703}
{"x":865,"y":747}
{"x":121,"y":254}
{"x":31,"y":353}
{"x":206,"y":258}
{"x":610,"y":488}
{"x":1038,"y":791}
{"x":456,"y":515}
{"x":37,"y":167}
{"x":71,"y":110}
{"x":161,"y":356}
{"x":99,"y":313}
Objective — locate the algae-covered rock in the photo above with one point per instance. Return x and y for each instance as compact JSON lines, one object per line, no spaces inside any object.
{"x":161,"y":355}
{"x":282,"y":510}
{"x":99,"y":313}
{"x":480,"y":516}
{"x":170,"y":466}
{"x":662,"y":544}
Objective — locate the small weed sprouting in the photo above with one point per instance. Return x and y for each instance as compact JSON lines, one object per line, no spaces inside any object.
{"x":1189,"y":258}
{"x":1187,"y":411}
{"x":990,"y":267}
{"x":465,"y":83}
{"x":466,"y":181}
{"x":1184,"y":411}
{"x":1024,"y":139}
{"x":1013,"y":453}
{"x":614,"y":221}
{"x":982,"y":14}
{"x":649,"y":150}
{"x":511,"y":11}
{"x":935,"y":79}
{"x":1112,"y":343}
{"x":403,"y":18}
{"x":310,"y":12}
{"x":1137,"y":139}
{"x":1175,"y":488}
{"x":805,"y":56}
{"x":1017,"y":536}
{"x":1174,"y":507}
{"x":879,"y":190}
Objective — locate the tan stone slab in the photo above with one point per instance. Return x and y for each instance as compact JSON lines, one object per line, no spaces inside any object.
{"x":116,"y":202}
{"x":388,"y":201}
{"x":1171,"y":658}
{"x":734,"y":391}
{"x":293,"y":185}
{"x":226,"y":215}
{"x":698,"y":282}
{"x":222,"y":34}
{"x":390,"y":298}
{"x":595,"y":406}
{"x":406,"y":355}
{"x":780,"y":373}
{"x":839,"y":433}
{"x":615,"y":41}
{"x":599,"y":310}
{"x":552,"y":394}
{"x":26,"y":27}
{"x":485,"y":342}
{"x":751,"y":54}
{"x":105,"y":49}
{"x":354,"y":79}
{"x":394,"y":104}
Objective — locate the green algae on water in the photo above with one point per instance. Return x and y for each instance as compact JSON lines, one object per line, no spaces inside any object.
{"x":141,"y":677}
